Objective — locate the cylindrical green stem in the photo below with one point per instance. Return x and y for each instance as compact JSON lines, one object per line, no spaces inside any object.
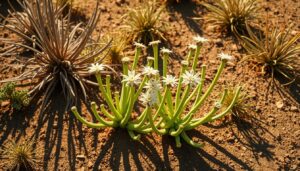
{"x":107,"y":98}
{"x":178,"y":92}
{"x":187,"y":139}
{"x":155,"y":54}
{"x":210,"y":88}
{"x":165,"y":63}
{"x":82,"y":120}
{"x":98,"y":117}
{"x":136,"y":57}
{"x":195,"y":61}
{"x":124,"y":121}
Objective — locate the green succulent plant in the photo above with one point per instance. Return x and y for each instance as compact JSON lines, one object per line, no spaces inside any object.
{"x":17,"y":98}
{"x":161,"y":112}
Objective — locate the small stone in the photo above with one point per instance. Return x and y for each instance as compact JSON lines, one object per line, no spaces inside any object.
{"x":294,"y":32}
{"x":211,"y":28}
{"x":279,"y":104}
{"x":80,"y":157}
{"x":234,"y":47}
{"x":219,"y":42}
{"x":55,"y":126}
{"x":90,"y":164}
{"x":119,"y":2}
{"x":103,"y":8}
{"x":5,"y":103}
{"x":244,"y":148}
{"x":294,"y":108}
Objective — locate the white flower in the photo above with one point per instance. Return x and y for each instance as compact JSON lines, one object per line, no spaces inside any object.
{"x":96,"y":68}
{"x":218,"y":105}
{"x":149,"y":71}
{"x":156,"y":42}
{"x":132,"y":78}
{"x":149,"y":98}
{"x":185,"y":63}
{"x":192,"y":46}
{"x":153,"y":85}
{"x":139,"y":45}
{"x":170,"y":80}
{"x":191,"y":78}
{"x":165,"y":50}
{"x":224,"y":56}
{"x":200,"y":39}
{"x":125,"y":59}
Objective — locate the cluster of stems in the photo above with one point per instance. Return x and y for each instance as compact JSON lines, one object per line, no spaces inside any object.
{"x":172,"y":110}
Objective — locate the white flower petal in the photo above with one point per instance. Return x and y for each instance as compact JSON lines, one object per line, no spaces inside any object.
{"x":200,"y":39}
{"x":165,"y":50}
{"x":224,"y":56}
{"x":96,"y":68}
{"x":170,"y":80}
{"x":132,"y":78}
{"x":139,"y":45}
{"x":156,"y":42}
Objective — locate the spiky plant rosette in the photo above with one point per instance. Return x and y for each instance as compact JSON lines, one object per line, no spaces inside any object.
{"x":241,"y":108}
{"x":19,"y":156}
{"x":59,"y":63}
{"x":22,"y":24}
{"x":119,"y":42}
{"x":231,"y":15}
{"x":278,"y":52}
{"x":144,"y":24}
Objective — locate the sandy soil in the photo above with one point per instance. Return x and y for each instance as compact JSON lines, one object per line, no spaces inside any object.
{"x":269,"y":141}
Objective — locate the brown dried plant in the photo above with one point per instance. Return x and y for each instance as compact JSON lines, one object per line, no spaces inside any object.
{"x":22,"y":24}
{"x":59,"y":62}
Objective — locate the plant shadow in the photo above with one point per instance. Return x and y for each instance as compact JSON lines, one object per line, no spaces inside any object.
{"x":192,"y":158}
{"x":252,"y":131}
{"x":188,"y":10}
{"x":290,"y":91}
{"x":122,"y":148}
{"x":13,"y":123}
{"x":6,"y":5}
{"x":53,"y":125}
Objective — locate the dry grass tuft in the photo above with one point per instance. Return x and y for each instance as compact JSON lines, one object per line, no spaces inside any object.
{"x":231,"y":15}
{"x":278,"y":52}
{"x":19,"y":156}
{"x":144,"y":24}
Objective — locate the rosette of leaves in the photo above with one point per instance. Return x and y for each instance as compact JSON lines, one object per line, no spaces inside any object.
{"x":231,"y":15}
{"x":59,"y":62}
{"x":22,"y":24}
{"x":19,"y":156}
{"x":144,"y":24}
{"x":278,"y":52}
